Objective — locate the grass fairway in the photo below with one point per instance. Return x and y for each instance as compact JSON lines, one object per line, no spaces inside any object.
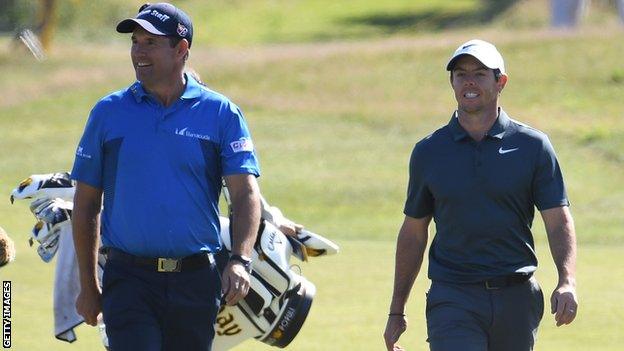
{"x":334,"y":124}
{"x":349,"y":312}
{"x":353,"y":292}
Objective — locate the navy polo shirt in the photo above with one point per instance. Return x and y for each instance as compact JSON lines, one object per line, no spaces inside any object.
{"x":160,"y":168}
{"x":482,"y":196}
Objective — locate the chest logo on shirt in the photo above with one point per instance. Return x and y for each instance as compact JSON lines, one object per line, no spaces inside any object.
{"x":242,"y":144}
{"x":185,"y":132}
{"x":505,"y":151}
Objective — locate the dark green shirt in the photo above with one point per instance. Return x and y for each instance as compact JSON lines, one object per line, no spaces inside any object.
{"x":482,"y":197}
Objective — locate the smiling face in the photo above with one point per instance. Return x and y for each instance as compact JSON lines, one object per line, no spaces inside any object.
{"x":155,"y":62}
{"x":475,"y":86}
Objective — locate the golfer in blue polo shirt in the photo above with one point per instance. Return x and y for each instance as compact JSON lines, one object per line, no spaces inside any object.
{"x":155,"y":154}
{"x":480,"y":177}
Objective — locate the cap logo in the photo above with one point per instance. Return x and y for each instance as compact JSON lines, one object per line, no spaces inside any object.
{"x":182,"y":30}
{"x":467,"y":46}
{"x":155,"y":13}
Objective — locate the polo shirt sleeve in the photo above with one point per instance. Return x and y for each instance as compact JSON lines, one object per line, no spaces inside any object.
{"x":238,"y":155}
{"x":419,"y":201}
{"x":548,"y":188}
{"x":88,"y":160}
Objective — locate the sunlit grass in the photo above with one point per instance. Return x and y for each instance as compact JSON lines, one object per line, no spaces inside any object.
{"x":334,"y":124}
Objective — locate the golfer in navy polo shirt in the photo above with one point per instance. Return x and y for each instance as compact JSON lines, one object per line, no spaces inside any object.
{"x":480,"y":177}
{"x":156,"y":153}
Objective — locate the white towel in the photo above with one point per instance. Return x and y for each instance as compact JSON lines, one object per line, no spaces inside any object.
{"x":67,"y":288}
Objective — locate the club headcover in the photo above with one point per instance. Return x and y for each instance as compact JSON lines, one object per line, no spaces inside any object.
{"x":50,"y":185}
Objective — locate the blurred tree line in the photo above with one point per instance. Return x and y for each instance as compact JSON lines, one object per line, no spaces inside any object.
{"x":80,"y":18}
{"x":15,"y":14}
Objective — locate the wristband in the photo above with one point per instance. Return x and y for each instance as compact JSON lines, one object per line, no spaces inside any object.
{"x":245,"y":261}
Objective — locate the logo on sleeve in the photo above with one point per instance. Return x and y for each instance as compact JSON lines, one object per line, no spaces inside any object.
{"x":80,"y":153}
{"x":242,"y":144}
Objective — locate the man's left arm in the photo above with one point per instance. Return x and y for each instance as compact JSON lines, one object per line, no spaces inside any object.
{"x":245,"y":197}
{"x":562,"y":241}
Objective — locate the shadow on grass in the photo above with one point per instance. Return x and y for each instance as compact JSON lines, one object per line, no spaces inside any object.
{"x":437,"y":19}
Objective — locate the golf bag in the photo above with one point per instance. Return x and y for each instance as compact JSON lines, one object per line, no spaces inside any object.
{"x":274,"y":310}
{"x":278,"y":301}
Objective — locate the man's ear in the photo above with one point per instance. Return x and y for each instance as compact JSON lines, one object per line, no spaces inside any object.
{"x":183,"y":48}
{"x":502,"y":81}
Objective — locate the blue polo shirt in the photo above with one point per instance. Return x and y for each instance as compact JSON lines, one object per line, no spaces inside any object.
{"x":160,"y":168}
{"x":482,"y":197}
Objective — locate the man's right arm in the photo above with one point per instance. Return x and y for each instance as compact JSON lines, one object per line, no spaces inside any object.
{"x":411,"y":245}
{"x":86,"y":233}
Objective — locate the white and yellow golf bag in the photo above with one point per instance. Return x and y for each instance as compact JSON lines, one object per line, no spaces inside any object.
{"x":273,"y":312}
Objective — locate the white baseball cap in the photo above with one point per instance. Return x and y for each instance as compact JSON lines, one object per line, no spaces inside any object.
{"x":482,"y":51}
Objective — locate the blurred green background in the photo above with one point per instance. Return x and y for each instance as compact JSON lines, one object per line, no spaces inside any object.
{"x":336,"y":94}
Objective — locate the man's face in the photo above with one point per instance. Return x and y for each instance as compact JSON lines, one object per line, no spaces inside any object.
{"x":475,"y":86}
{"x":154,"y":60}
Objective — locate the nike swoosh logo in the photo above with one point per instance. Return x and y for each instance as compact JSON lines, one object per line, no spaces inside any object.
{"x":503,"y":151}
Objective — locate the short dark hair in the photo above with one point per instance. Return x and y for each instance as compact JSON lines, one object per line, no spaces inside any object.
{"x":174,"y":41}
{"x":497,"y":74}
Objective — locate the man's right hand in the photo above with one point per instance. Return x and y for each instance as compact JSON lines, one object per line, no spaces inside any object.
{"x":395,"y":326}
{"x":89,"y":305}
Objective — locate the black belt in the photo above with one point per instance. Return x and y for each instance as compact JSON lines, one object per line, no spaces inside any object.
{"x":507,"y":280}
{"x":161,"y":264}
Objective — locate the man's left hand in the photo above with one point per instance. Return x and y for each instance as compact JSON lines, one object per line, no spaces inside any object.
{"x":564,"y":304}
{"x":289,"y":227}
{"x":234,"y":283}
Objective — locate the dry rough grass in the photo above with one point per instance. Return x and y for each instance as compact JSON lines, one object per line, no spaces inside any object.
{"x":86,"y":68}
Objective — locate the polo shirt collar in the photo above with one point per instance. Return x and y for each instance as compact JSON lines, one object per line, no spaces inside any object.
{"x":457,"y":131}
{"x":193,"y":88}
{"x":191,"y":91}
{"x":137,"y":91}
{"x":501,"y":125}
{"x":497,"y":130}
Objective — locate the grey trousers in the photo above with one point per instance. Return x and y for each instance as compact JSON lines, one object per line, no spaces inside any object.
{"x":469,"y":317}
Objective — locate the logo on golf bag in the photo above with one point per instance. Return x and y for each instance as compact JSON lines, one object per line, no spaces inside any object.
{"x":273,"y":240}
{"x":284,"y":324}
{"x":226,"y":324}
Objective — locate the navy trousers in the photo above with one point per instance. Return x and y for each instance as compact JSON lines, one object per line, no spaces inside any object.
{"x":145,"y":310}
{"x":469,"y":317}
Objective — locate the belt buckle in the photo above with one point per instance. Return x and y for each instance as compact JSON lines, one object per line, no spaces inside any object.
{"x":490,"y":287}
{"x":168,"y":265}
